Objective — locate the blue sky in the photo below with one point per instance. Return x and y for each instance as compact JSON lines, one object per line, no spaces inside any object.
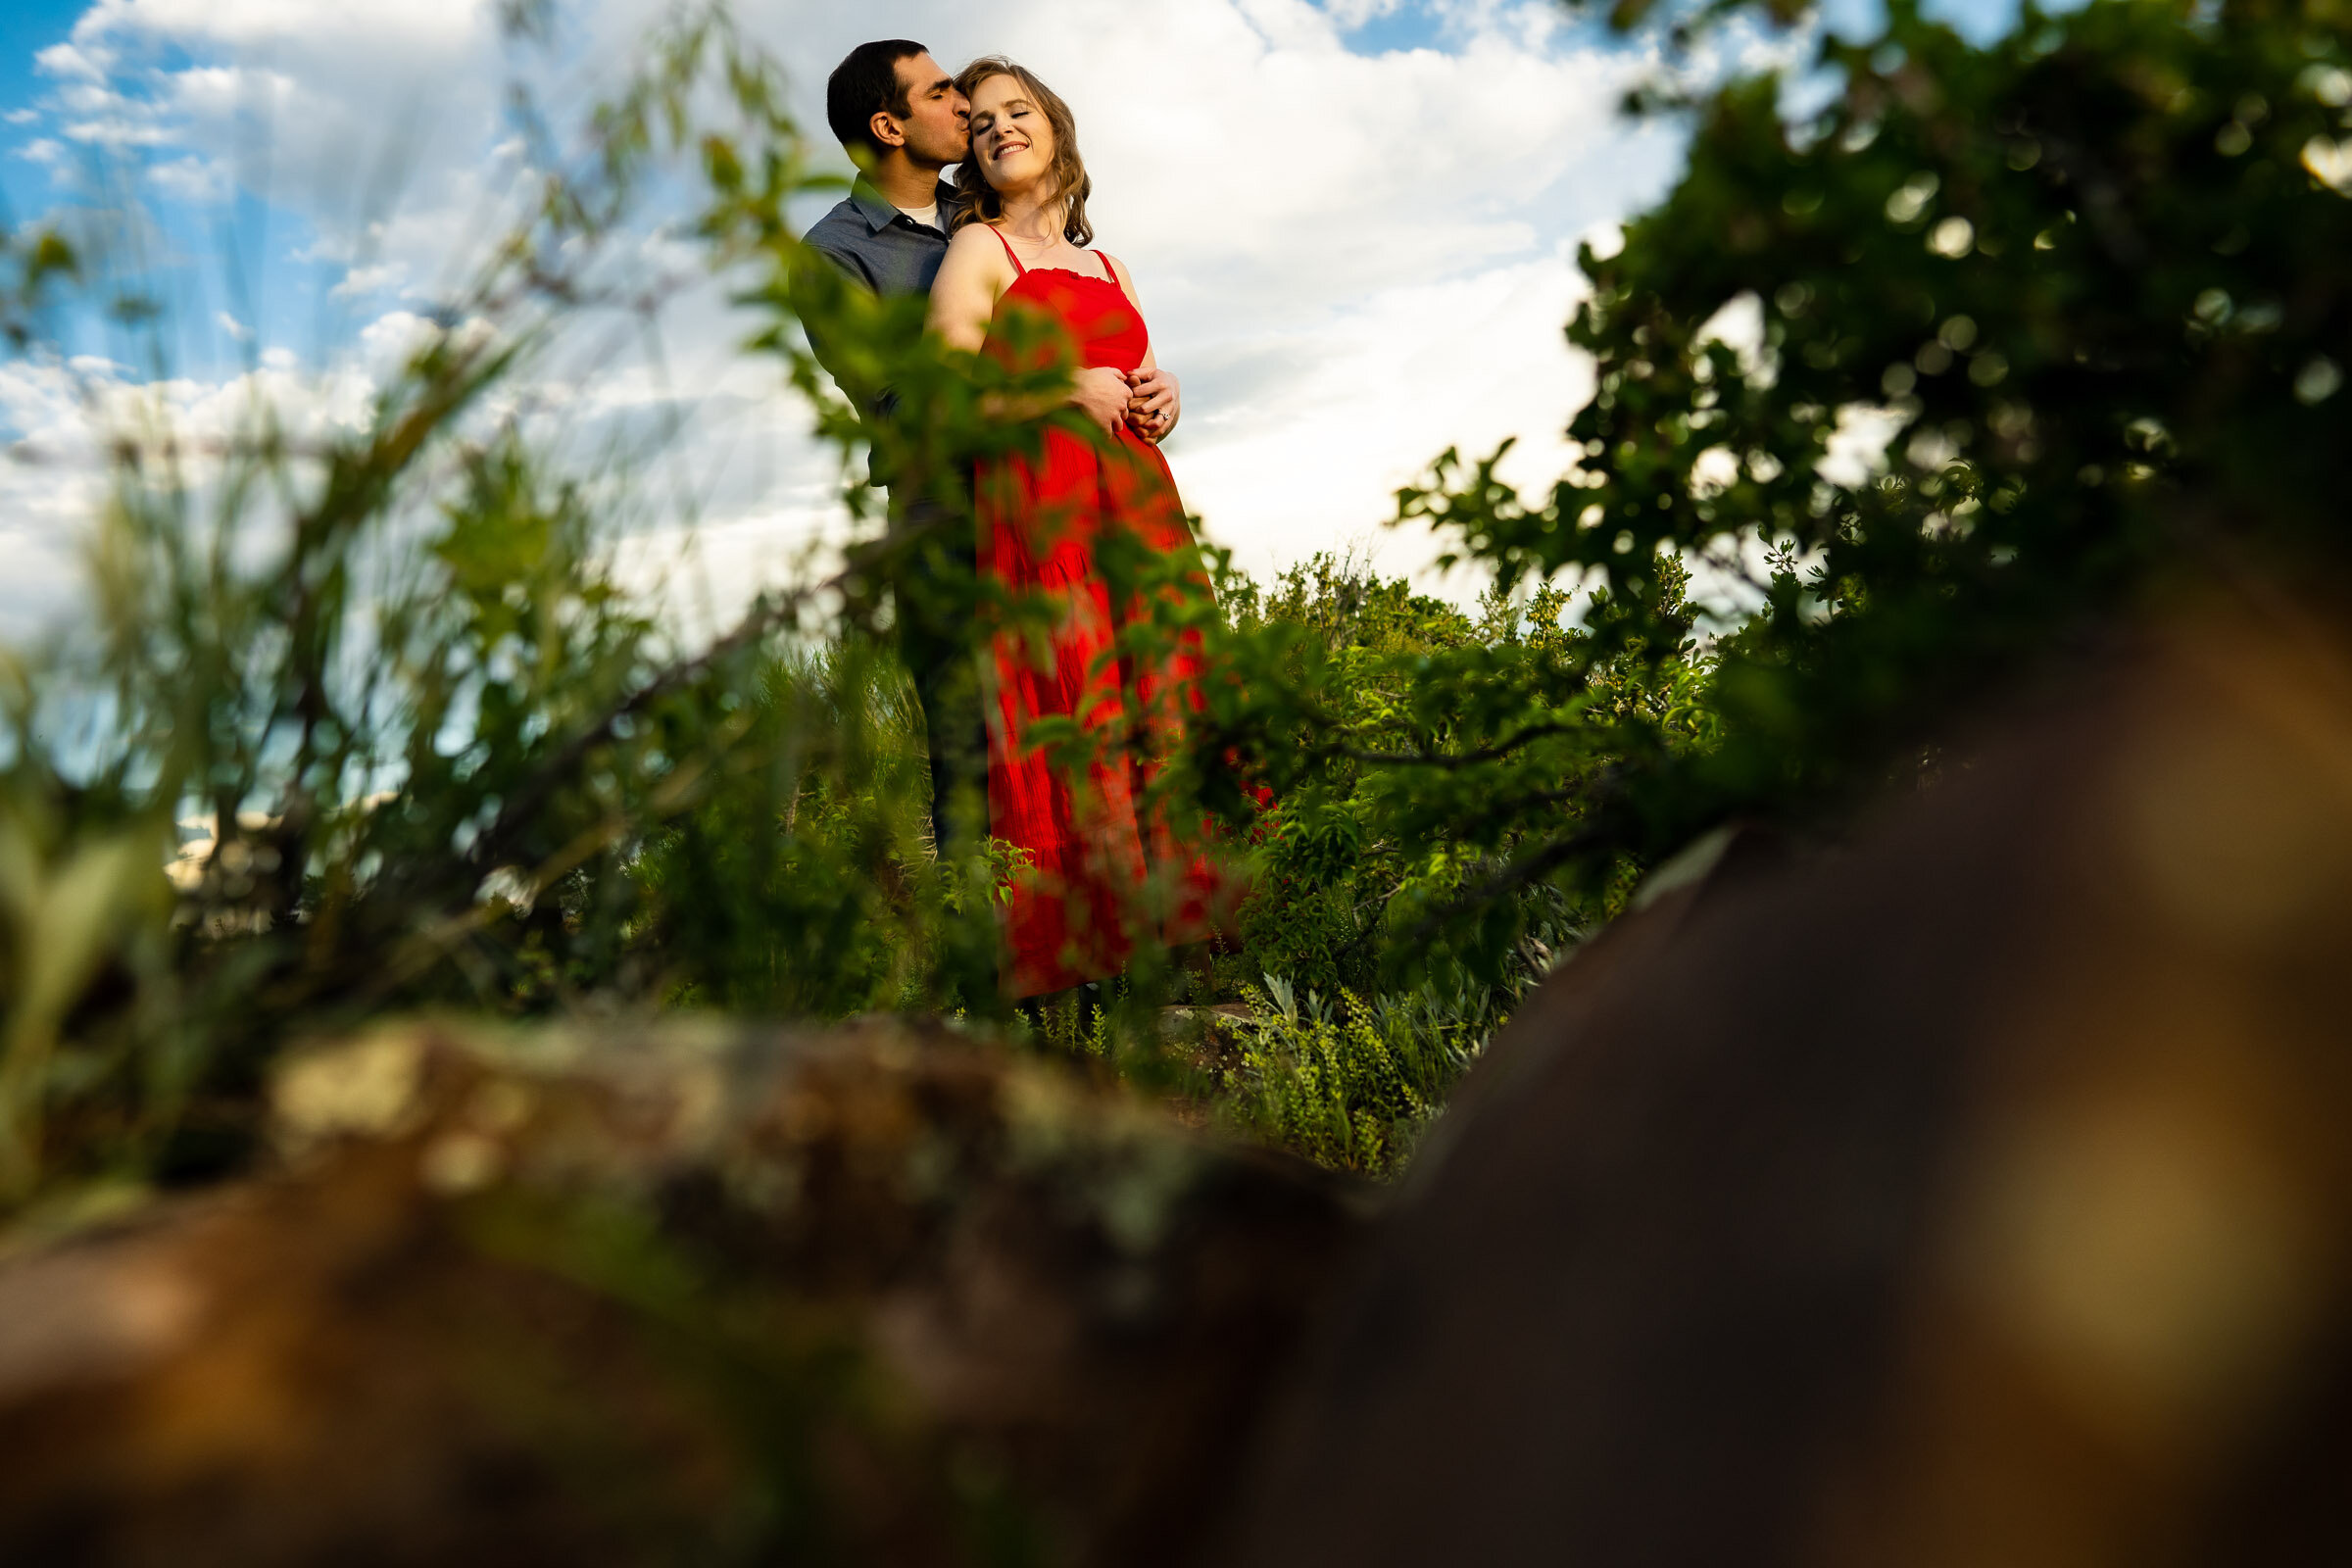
{"x":241,"y":258}
{"x":27,"y":27}
{"x":1409,"y":26}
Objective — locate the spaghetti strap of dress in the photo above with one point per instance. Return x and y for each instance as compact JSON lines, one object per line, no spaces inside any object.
{"x":1107,"y":269}
{"x":1018,"y":270}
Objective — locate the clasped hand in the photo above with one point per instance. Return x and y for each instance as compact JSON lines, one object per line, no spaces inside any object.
{"x":1155,"y":402}
{"x":1150,"y":401}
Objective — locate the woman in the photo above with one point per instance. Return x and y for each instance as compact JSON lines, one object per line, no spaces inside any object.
{"x":1053,"y":531}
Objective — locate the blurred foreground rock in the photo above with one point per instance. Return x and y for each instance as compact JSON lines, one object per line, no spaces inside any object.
{"x":692,"y":1295}
{"x":1976,"y":1193}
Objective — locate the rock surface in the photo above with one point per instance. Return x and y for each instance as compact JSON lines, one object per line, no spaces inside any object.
{"x":687,"y":1295}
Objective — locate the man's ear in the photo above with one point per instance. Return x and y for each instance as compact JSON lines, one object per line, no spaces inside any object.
{"x":885,"y":128}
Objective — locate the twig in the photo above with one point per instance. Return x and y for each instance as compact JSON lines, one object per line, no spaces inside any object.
{"x":1487,"y":754}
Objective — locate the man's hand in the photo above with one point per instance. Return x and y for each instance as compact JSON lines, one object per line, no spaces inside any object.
{"x":1102,"y":395}
{"x":1154,"y":403}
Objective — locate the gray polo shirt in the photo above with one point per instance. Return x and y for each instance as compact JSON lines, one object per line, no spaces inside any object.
{"x":880,"y":246}
{"x":883,"y":249}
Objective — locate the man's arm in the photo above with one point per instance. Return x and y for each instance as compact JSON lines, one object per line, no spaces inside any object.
{"x":1154,"y":400}
{"x":852,"y":268}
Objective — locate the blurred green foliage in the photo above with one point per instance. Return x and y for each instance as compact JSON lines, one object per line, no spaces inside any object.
{"x":1894,"y":401}
{"x":413,"y":743}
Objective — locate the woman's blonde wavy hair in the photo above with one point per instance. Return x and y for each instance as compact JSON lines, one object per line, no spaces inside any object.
{"x":977,"y":200}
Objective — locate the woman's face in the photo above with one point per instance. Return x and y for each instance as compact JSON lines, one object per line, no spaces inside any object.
{"x":1011,"y":138}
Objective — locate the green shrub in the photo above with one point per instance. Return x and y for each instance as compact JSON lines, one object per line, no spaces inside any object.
{"x":1347,"y":1083}
{"x":1416,"y":752}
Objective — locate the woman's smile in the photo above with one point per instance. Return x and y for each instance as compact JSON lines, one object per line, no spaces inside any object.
{"x":999,"y":139}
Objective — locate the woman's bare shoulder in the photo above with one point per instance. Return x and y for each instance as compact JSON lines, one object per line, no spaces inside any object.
{"x":1119,"y":271}
{"x":973,"y":253}
{"x":972,"y":278}
{"x":974,"y":236}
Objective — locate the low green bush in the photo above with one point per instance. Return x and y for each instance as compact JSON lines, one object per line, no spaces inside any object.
{"x":1348,"y":1082}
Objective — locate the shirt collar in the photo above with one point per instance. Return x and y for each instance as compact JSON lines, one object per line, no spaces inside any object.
{"x":879,"y":214}
{"x":868,"y":199}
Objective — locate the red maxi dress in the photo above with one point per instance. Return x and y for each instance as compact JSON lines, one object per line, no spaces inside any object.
{"x":1098,"y":867}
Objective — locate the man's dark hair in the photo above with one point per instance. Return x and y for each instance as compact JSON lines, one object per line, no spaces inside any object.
{"x":866,"y":81}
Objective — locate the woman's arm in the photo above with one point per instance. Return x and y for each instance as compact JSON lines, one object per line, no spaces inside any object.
{"x":963,"y":296}
{"x":1154,"y":399}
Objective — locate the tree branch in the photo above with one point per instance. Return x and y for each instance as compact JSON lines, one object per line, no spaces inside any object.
{"x":1488,"y":754}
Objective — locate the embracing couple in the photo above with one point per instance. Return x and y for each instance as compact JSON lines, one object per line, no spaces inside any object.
{"x":1002,"y":252}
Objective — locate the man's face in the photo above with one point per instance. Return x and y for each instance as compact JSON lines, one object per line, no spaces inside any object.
{"x":935,"y":128}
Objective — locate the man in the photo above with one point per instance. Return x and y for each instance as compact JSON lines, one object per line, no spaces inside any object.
{"x":897,"y":114}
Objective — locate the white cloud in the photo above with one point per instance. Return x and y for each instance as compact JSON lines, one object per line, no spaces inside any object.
{"x":370,"y":279}
{"x":341,"y":112}
{"x":69,"y":62}
{"x":1310,"y":457}
{"x":199,"y":181}
{"x":120,"y":132}
{"x":66,"y":420}
{"x":437,"y":24}
{"x":45,"y":493}
{"x":221,"y":91}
